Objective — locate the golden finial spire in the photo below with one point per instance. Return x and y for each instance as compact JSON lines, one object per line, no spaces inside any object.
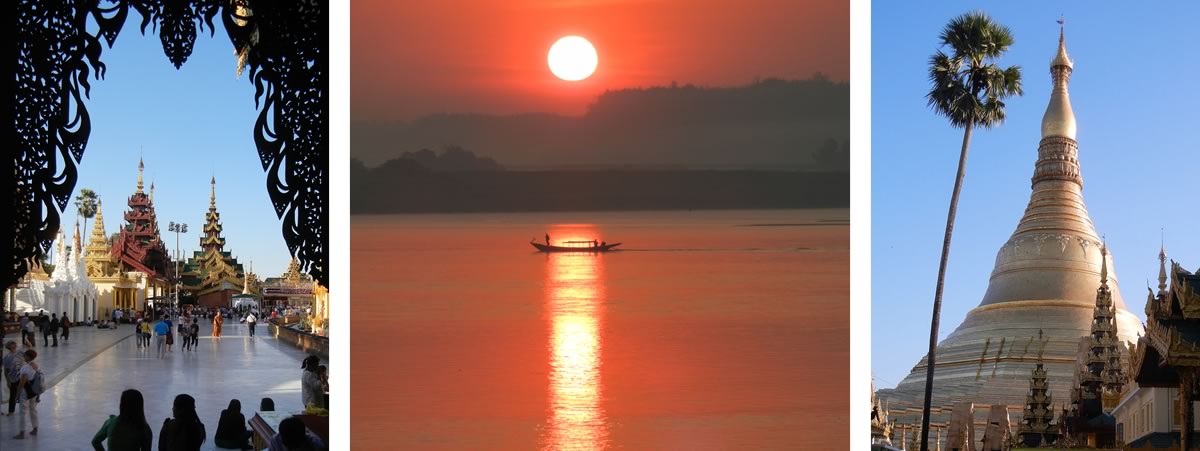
{"x":1059,"y":120}
{"x":1103,"y":263}
{"x":140,"y":168}
{"x":1061,"y":59}
{"x":151,"y":190}
{"x":212,"y":197}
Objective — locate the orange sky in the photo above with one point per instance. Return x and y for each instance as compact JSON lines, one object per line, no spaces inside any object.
{"x":411,"y":58}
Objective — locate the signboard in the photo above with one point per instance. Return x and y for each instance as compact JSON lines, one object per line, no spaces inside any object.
{"x":282,"y":291}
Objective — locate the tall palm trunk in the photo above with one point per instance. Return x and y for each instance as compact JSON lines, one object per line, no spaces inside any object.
{"x":941,"y":282}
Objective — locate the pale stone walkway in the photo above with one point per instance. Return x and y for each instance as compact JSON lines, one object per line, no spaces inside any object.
{"x":91,"y":377}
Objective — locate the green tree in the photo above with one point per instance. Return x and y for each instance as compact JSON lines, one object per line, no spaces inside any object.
{"x":969,"y":90}
{"x":85,"y":202}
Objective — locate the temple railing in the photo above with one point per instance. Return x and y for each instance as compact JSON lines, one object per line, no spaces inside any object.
{"x":310,"y":343}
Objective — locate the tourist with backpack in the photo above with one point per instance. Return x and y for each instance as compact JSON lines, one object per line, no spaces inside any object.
{"x":251,"y":321}
{"x":30,"y":384}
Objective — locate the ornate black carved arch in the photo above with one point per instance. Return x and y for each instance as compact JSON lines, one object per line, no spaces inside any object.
{"x":283,"y":43}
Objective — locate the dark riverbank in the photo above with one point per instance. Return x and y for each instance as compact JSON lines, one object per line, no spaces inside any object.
{"x":380,"y":192}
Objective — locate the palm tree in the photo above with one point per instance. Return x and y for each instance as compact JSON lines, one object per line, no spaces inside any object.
{"x":86,"y":203}
{"x":968,"y":89}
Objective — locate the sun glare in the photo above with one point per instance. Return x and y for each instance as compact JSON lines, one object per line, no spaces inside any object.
{"x":572,"y":58}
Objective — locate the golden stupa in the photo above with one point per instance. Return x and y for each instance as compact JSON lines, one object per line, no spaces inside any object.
{"x":1045,"y":279}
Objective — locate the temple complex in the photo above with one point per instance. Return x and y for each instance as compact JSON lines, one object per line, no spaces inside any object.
{"x":292,"y":289}
{"x":1043,"y":287}
{"x":212,"y":276}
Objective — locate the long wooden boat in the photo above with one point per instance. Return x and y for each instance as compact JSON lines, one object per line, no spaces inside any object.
{"x":575,"y":246}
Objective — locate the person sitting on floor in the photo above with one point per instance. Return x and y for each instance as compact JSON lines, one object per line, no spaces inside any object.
{"x":293,"y":436}
{"x":231,"y":428}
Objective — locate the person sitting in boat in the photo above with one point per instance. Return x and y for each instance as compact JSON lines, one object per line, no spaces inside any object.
{"x":604,"y":244}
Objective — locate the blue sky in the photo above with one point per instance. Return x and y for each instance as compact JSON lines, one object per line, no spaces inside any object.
{"x":1137,"y":138}
{"x":188,"y":125}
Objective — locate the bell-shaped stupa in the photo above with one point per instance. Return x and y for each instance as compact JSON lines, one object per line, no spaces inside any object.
{"x":1045,"y":278}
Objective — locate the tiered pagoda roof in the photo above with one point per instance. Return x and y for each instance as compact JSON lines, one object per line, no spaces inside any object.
{"x":139,"y":246}
{"x":212,"y":268}
{"x":1169,"y":354}
{"x":1037,"y":424}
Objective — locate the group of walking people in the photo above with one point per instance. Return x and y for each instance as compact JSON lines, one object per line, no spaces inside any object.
{"x":51,"y":328}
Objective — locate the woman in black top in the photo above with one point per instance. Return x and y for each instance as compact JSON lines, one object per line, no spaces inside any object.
{"x":185,"y":432}
{"x":231,"y":428}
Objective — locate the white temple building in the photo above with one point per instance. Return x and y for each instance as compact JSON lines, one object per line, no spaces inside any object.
{"x":67,"y":290}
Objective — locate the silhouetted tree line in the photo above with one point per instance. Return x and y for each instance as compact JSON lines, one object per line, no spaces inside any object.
{"x":768,"y":124}
{"x":403,"y":185}
{"x":451,"y":159}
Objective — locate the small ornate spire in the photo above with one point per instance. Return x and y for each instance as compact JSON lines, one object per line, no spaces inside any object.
{"x":1104,"y":264}
{"x":151,"y":190}
{"x":1162,"y":270}
{"x":212,"y":197}
{"x":140,"y":168}
{"x":75,"y":250}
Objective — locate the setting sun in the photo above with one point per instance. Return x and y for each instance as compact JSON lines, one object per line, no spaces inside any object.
{"x":572,"y":58}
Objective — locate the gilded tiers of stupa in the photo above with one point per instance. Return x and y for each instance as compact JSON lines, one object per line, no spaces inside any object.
{"x":1044,"y":279}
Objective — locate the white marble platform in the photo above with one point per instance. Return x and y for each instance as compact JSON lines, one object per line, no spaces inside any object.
{"x":89,"y":374}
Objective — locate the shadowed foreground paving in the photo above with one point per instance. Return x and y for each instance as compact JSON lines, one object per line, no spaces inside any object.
{"x":89,"y":389}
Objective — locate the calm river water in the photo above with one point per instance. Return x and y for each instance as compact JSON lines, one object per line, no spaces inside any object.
{"x":711,"y":330}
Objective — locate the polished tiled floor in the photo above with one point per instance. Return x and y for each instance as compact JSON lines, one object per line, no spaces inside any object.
{"x":90,"y":379}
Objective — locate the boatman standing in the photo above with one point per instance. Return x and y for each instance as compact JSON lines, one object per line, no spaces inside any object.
{"x":547,"y":239}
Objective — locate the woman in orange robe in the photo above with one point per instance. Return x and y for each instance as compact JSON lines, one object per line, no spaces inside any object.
{"x":217,"y":321}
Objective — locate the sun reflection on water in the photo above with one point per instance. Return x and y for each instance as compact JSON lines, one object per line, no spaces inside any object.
{"x":574,"y":306}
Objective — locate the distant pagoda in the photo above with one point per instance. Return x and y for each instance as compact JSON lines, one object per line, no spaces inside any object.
{"x":1037,"y":425}
{"x":212,"y":276}
{"x":98,"y":255}
{"x":139,"y":245}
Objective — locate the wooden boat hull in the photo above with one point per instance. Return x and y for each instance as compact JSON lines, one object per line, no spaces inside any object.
{"x":604,"y":248}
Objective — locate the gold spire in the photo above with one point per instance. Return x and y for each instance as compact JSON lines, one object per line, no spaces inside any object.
{"x":151,"y":190}
{"x":98,"y":239}
{"x":1059,"y":120}
{"x":140,"y":168}
{"x":212,"y":197}
{"x":1162,"y":270}
{"x":1104,"y":264}
{"x":1061,"y":59}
